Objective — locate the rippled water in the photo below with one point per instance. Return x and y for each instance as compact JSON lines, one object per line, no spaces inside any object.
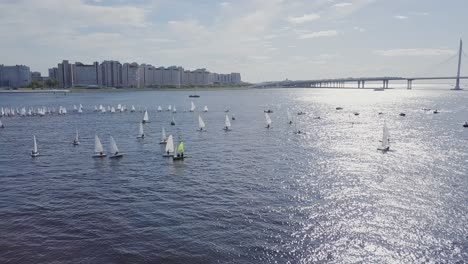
{"x":251,"y":195}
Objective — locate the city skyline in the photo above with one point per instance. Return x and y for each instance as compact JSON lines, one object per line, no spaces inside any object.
{"x":263,"y":40}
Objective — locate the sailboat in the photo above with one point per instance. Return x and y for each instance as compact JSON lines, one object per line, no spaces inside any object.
{"x":194,"y":94}
{"x":169,"y":150}
{"x":192,"y":107}
{"x":98,"y":149}
{"x":114,"y":150}
{"x":76,"y":141}
{"x":141,"y":134}
{"x":169,"y":108}
{"x":173,"y":121}
{"x":159,"y":108}
{"x":179,"y":153}
{"x":201,"y":124}
{"x":132,"y":109}
{"x":112,"y":110}
{"x":80,"y":109}
{"x":163,"y":137}
{"x":34,"y":152}
{"x":145,"y":117}
{"x":174,"y":110}
{"x":233,"y":117}
{"x":227,"y":124}
{"x":289,"y":118}
{"x":1,"y":124}
{"x":268,"y":120}
{"x":385,"y":139}
{"x":205,"y":109}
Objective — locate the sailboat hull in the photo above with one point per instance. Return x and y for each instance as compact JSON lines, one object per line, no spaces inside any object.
{"x":384,"y":149}
{"x":76,"y":143}
{"x":168,"y":155}
{"x":99,"y":155}
{"x":177,"y":158}
{"x":120,"y":155}
{"x":34,"y":154}
{"x":162,"y":142}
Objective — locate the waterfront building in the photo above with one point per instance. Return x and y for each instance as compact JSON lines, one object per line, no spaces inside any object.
{"x":111,"y":73}
{"x":64,"y":74}
{"x":130,"y":75}
{"x":15,"y":76}
{"x":53,"y":73}
{"x":86,"y":75}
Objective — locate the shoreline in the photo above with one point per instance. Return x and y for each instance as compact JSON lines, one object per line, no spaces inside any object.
{"x":86,"y":90}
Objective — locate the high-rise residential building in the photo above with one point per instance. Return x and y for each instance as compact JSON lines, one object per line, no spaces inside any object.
{"x":85,"y":75}
{"x":36,"y":76}
{"x":53,"y":73}
{"x":64,"y":74}
{"x":236,"y":78}
{"x":15,"y":76}
{"x":130,"y":75}
{"x":111,"y":73}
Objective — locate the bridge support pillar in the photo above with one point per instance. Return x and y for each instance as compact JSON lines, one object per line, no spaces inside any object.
{"x":363,"y":82}
{"x":358,"y":84}
{"x":410,"y":85}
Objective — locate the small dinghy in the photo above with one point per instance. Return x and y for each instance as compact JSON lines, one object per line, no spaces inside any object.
{"x":402,"y":114}
{"x":465,"y":125}
{"x":268,"y":111}
{"x":114,"y":150}
{"x":290,"y":121}
{"x":76,"y":140}
{"x":1,"y":124}
{"x":205,"y":109}
{"x":169,"y":108}
{"x":141,"y":133}
{"x":163,"y":137}
{"x":98,"y":149}
{"x":227,"y":124}
{"x":169,"y":150}
{"x":34,"y":152}
{"x":436,"y":111}
{"x":192,"y":107}
{"x":201,"y":124}
{"x":268,"y":120}
{"x":145,"y":117}
{"x":339,"y":108}
{"x":132,"y":109}
{"x":233,"y":117}
{"x":385,"y":139}
{"x":356,"y":113}
{"x":159,"y":108}
{"x":301,"y":113}
{"x":179,"y":153}
{"x":173,"y":121}
{"x":174,"y":110}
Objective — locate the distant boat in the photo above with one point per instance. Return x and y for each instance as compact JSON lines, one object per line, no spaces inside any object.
{"x":159,"y":108}
{"x":339,"y":108}
{"x":465,"y":125}
{"x":98,"y":149}
{"x":227,"y":124}
{"x":76,"y":141}
{"x":145,"y":117}
{"x":114,"y":150}
{"x":268,"y":120}
{"x":80,"y":109}
{"x":174,"y":110}
{"x":103,"y":110}
{"x":301,"y":113}
{"x":179,"y":152}
{"x":194,"y":95}
{"x":385,"y":139}
{"x":163,"y":137}
{"x":169,"y":108}
{"x":74,"y":108}
{"x":192,"y":107}
{"x":436,"y":111}
{"x":169,"y":150}
{"x":95,"y":108}
{"x":201,"y":124}
{"x":356,"y":113}
{"x":112,"y":110}
{"x":141,"y":133}
{"x":290,"y":121}
{"x":34,"y":152}
{"x":205,"y":109}
{"x":1,"y":124}
{"x":233,"y":117}
{"x":132,"y":109}
{"x":173,"y":121}
{"x":402,"y":114}
{"x":268,"y":111}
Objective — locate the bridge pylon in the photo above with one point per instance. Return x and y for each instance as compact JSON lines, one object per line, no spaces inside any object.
{"x":460,"y":50}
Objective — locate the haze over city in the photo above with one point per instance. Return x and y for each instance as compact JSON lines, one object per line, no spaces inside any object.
{"x":263,"y":40}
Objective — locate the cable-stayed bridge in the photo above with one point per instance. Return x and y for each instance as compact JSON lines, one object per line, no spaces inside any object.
{"x":361,"y":81}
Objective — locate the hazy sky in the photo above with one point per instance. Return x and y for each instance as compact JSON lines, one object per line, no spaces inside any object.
{"x":261,"y":39}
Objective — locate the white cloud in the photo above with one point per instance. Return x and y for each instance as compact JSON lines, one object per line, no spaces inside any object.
{"x":303,"y":19}
{"x":225,"y":4}
{"x":400,"y":17}
{"x":420,"y":13}
{"x":319,"y":34}
{"x":414,"y":52}
{"x":360,"y":29}
{"x":342,"y":4}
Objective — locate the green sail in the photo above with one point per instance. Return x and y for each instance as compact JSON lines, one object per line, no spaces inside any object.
{"x":181,"y":147}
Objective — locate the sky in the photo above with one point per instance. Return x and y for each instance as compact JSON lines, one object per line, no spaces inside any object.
{"x":264,"y":40}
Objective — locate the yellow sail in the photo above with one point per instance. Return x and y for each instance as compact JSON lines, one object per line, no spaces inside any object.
{"x":180,"y":149}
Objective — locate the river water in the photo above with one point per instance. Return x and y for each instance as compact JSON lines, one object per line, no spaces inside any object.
{"x":251,"y":195}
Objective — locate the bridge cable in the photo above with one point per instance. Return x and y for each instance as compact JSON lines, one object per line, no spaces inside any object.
{"x":426,"y":70}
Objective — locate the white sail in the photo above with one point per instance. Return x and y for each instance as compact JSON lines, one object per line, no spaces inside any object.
{"x":35,"y":145}
{"x":141,"y":133}
{"x":80,"y":110}
{"x":227,"y":122}
{"x":1,"y":124}
{"x":145,"y":116}
{"x":289,"y":117}
{"x":174,"y":110}
{"x":119,"y":107}
{"x":159,"y":108}
{"x":169,"y":108}
{"x":201,"y":124}
{"x":103,"y":110}
{"x":205,"y":109}
{"x":163,"y":135}
{"x":169,"y":145}
{"x":192,"y":107}
{"x":76,"y":136}
{"x":112,"y":110}
{"x":113,"y":146}
{"x":385,"y":137}
{"x":75,"y":108}
{"x":132,"y":109}
{"x":267,"y":118}
{"x":97,"y":145}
